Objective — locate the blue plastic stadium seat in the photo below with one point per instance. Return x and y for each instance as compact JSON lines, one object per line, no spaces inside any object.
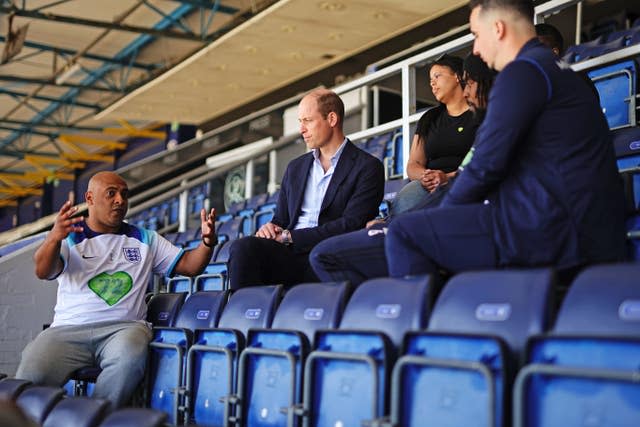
{"x":135,"y":417}
{"x":215,"y":275}
{"x":10,"y":388}
{"x":377,"y":145}
{"x":184,"y":236}
{"x":232,"y":229}
{"x":196,"y":198}
{"x":586,"y":371}
{"x":629,"y":37}
{"x":393,"y":160}
{"x":627,"y":147}
{"x":270,"y":368}
{"x":212,"y":359}
{"x":77,"y":412}
{"x":168,"y":349}
{"x":582,"y":51}
{"x":249,"y":211}
{"x":346,"y":376}
{"x":179,"y":284}
{"x":256,"y":201}
{"x":37,"y":401}
{"x":461,"y":370}
{"x":163,"y":308}
{"x":616,"y":85}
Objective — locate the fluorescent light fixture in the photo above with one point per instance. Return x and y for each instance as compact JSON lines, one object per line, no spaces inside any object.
{"x":69,"y":71}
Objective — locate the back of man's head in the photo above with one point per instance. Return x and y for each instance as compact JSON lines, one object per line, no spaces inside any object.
{"x":551,"y":37}
{"x":523,"y":8}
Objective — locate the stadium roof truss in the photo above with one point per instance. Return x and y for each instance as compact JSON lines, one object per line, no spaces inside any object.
{"x":79,"y":77}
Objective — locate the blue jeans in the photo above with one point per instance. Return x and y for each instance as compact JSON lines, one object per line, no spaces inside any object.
{"x":119,"y":348}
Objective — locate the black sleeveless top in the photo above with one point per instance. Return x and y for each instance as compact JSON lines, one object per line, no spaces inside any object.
{"x":447,"y":139}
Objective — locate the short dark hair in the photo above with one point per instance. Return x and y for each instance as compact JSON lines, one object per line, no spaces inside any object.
{"x":550,"y":36}
{"x":521,"y":7}
{"x":452,"y":62}
{"x":328,"y":101}
{"x":479,"y":71}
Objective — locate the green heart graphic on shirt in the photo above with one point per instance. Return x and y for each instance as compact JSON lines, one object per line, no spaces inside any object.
{"x":111,"y":287}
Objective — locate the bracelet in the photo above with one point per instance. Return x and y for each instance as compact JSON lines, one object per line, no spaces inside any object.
{"x":213,"y":243}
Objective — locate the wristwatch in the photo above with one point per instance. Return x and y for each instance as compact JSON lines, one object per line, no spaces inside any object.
{"x":286,"y":237}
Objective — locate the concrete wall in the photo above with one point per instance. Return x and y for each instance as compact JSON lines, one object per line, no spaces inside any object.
{"x":26,"y":304}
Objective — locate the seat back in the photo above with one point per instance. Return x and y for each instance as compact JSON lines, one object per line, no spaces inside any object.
{"x":283,"y":349}
{"x":602,"y":301}
{"x":252,"y":307}
{"x":391,"y":306}
{"x":587,"y":368}
{"x":582,"y":51}
{"x":216,"y":350}
{"x":77,"y":412}
{"x":163,"y":308}
{"x":179,"y":284}
{"x":223,"y":253}
{"x":37,"y":401}
{"x":510,"y":304}
{"x":346,"y":377}
{"x":168,"y":349}
{"x":309,"y":307}
{"x":10,"y":388}
{"x":138,"y":417}
{"x":202,"y":310}
{"x":477,"y":318}
{"x":616,"y":85}
{"x":232,"y":229}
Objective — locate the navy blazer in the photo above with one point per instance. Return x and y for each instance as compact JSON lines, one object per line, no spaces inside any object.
{"x":352,"y":198}
{"x":543,"y":159}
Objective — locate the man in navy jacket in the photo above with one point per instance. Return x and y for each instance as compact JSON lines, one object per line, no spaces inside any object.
{"x":334,"y":189}
{"x":542,"y":187}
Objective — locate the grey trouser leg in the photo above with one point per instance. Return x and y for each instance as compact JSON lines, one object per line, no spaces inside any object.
{"x":54,"y":354}
{"x":119,"y":348}
{"x":121,"y":352}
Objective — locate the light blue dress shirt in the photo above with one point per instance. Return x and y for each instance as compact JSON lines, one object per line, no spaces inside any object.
{"x":317,"y":184}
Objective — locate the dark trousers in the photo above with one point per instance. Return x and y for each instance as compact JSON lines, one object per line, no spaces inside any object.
{"x":360,"y":255}
{"x":452,"y":238}
{"x":257,"y":261}
{"x":355,"y":256}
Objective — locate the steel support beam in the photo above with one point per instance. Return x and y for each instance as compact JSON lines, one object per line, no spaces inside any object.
{"x":117,"y":61}
{"x":51,"y":125}
{"x":101,"y":24}
{"x":45,"y":82}
{"x":204,"y":4}
{"x":49,"y":98}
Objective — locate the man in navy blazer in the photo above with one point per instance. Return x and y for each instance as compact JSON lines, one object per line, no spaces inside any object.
{"x":542,"y":187}
{"x":333,"y":189}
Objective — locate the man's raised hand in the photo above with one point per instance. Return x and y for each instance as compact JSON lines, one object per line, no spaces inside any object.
{"x":66,"y":222}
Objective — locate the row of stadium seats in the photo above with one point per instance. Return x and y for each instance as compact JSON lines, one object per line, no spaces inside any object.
{"x":386,"y":147}
{"x":603,"y":44}
{"x":388,"y":354}
{"x":49,"y":407}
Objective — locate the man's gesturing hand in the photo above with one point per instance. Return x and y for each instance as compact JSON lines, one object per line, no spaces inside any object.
{"x":66,"y":222}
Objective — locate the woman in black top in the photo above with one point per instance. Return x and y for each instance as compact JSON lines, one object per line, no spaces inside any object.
{"x":443,"y":136}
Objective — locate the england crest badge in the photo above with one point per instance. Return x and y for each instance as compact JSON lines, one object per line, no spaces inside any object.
{"x":132,"y":255}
